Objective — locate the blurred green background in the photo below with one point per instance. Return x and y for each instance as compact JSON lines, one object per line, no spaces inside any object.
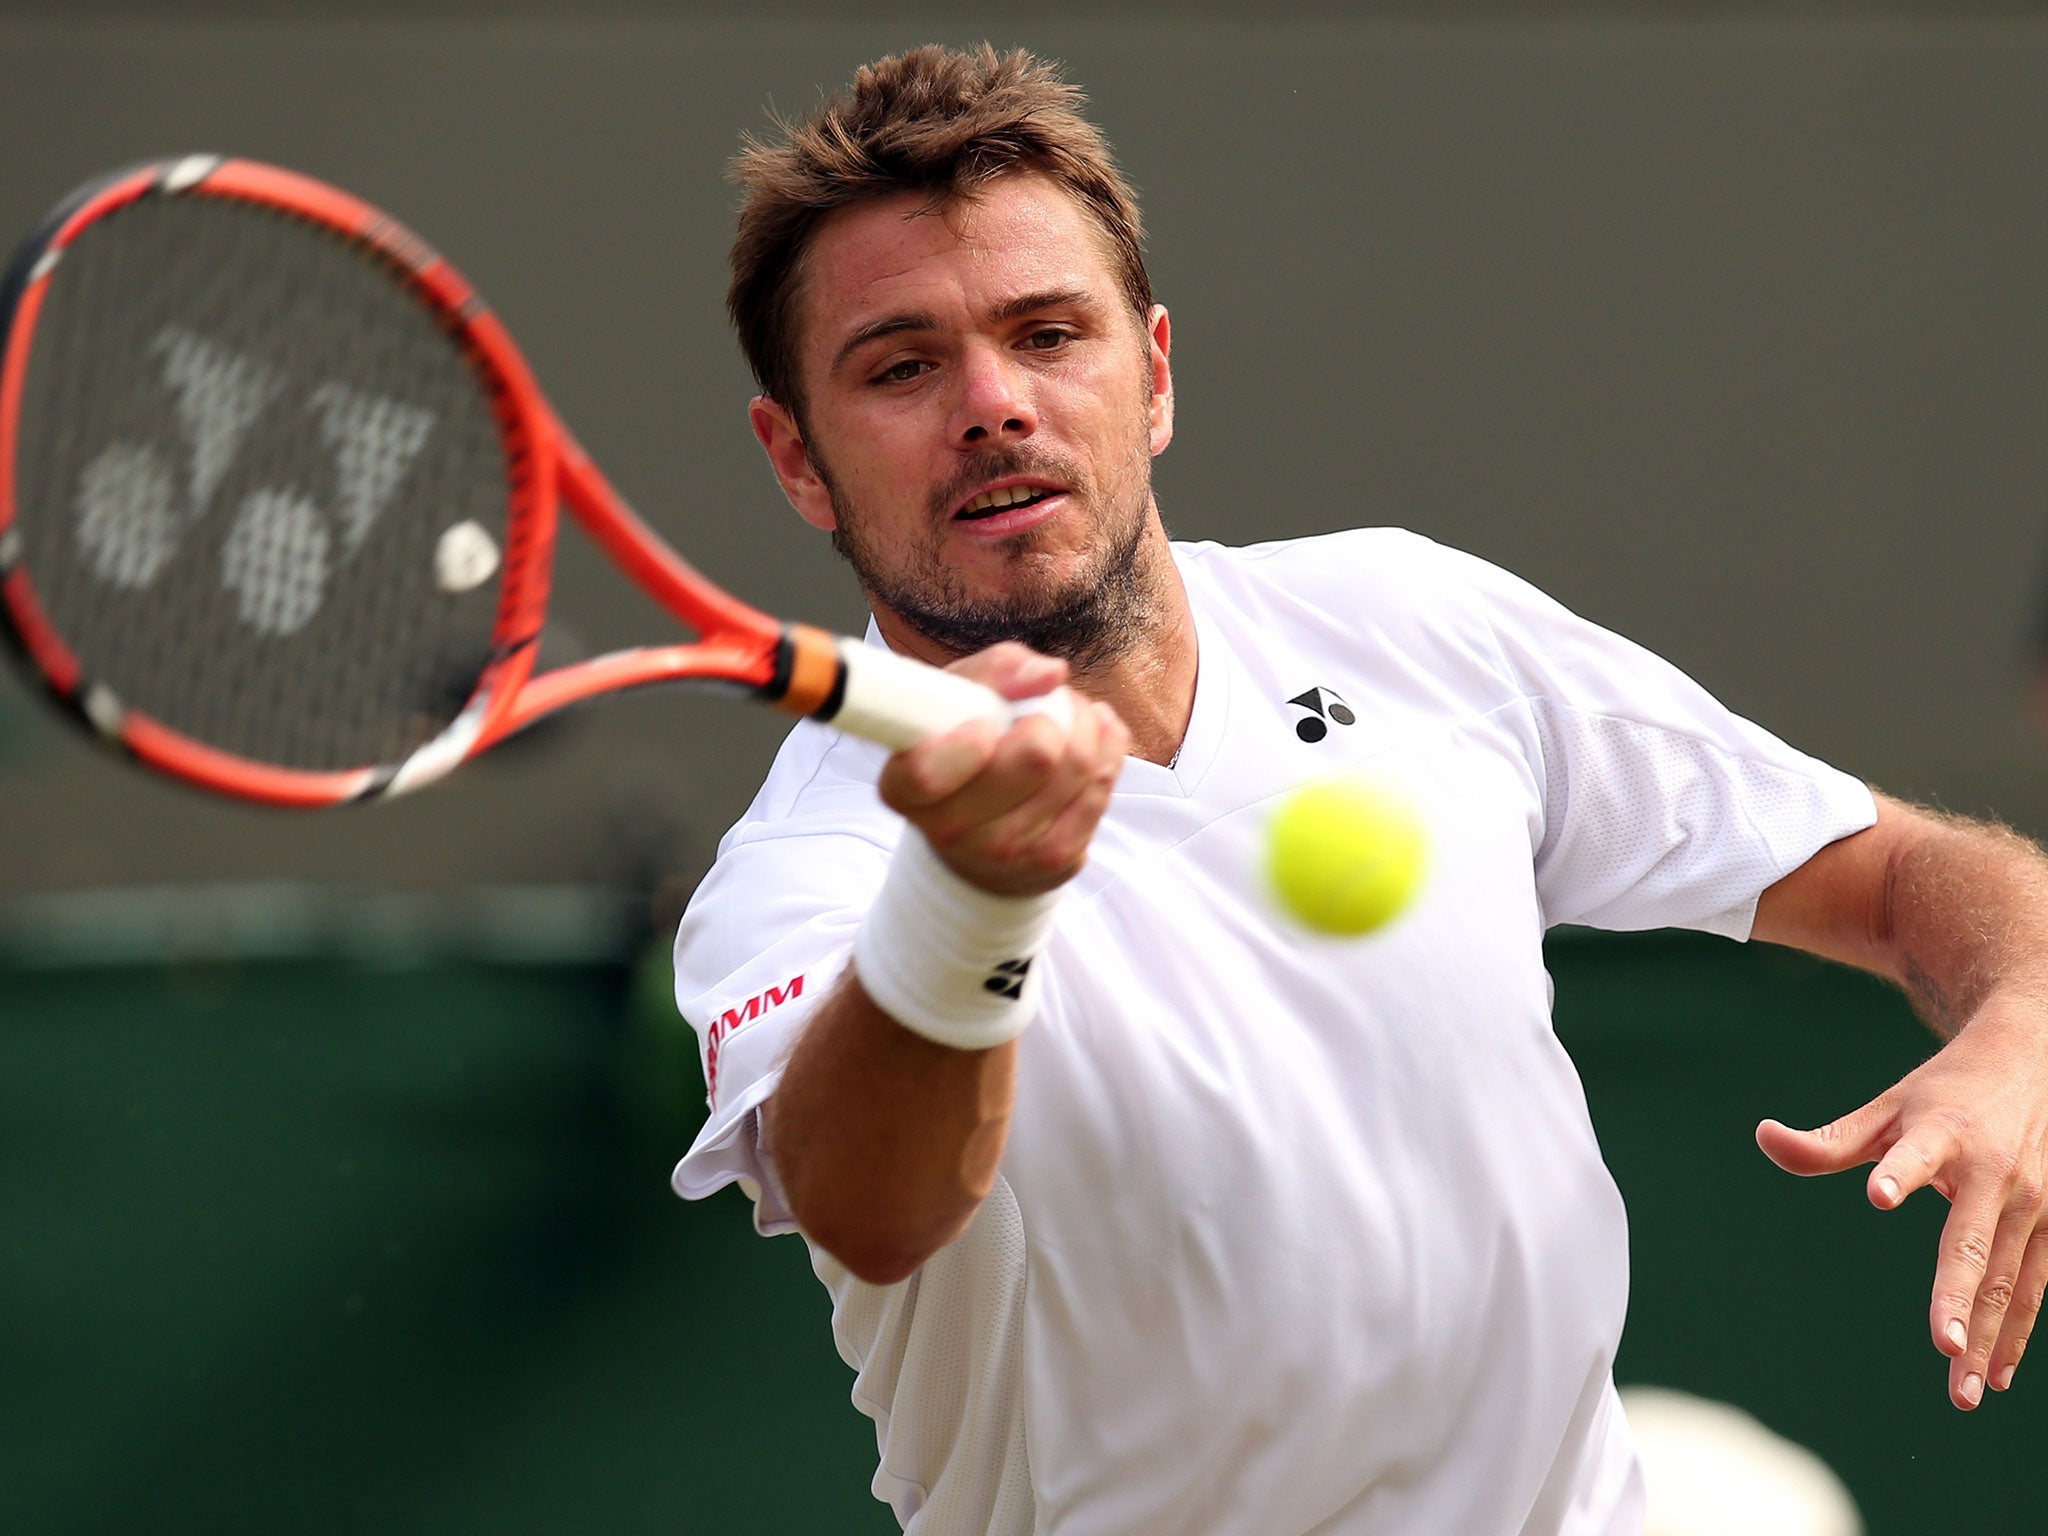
{"x":360,"y":1239}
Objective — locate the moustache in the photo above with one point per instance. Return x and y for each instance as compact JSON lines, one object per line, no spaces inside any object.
{"x":997,"y":464}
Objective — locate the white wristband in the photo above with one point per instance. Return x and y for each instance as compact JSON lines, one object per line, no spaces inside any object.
{"x":947,"y":959}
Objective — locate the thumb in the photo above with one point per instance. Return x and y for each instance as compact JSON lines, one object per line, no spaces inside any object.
{"x":1858,"y":1137}
{"x":1013,"y":670}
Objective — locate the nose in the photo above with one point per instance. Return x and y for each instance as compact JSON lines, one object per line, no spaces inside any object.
{"x":995,"y":402}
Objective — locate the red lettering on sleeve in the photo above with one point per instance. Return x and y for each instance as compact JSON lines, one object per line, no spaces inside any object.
{"x":734,"y":1019}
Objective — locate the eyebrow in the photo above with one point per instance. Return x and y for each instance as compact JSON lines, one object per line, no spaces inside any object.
{"x":914,"y":320}
{"x":920,"y":320}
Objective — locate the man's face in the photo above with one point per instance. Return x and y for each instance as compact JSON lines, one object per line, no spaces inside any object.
{"x":981,"y":407}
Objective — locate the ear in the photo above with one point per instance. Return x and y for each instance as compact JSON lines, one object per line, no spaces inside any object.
{"x":1159,"y":344}
{"x":784,"y":443}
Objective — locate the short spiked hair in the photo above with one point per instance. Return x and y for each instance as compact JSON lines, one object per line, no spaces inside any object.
{"x":932,"y":121}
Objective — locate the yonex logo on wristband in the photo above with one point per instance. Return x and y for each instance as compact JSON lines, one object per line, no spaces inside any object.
{"x":946,"y":959}
{"x":1008,"y":980}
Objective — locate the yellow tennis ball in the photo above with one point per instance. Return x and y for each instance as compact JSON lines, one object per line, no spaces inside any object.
{"x":1345,"y":857}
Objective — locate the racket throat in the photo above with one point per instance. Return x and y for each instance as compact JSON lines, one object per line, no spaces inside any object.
{"x":810,"y":674}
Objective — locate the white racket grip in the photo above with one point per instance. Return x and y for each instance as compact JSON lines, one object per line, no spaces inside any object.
{"x":898,"y":702}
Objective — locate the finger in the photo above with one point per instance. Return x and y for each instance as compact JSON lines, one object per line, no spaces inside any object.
{"x":1968,"y":1375}
{"x":1012,"y":669}
{"x":1100,"y":765}
{"x":2028,"y":1294}
{"x":1855,"y":1138}
{"x":1038,"y":793}
{"x":987,"y":830}
{"x":938,"y":767}
{"x":985,"y":766}
{"x":1922,"y":1156}
{"x":1966,"y":1246}
{"x":1069,"y":833}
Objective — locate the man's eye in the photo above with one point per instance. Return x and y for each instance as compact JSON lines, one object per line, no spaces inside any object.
{"x":1047,"y":340}
{"x":903,"y":372}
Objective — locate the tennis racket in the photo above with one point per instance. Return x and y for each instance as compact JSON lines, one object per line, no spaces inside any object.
{"x":278,"y":502}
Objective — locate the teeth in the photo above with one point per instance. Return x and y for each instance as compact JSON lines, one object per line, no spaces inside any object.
{"x":1009,"y":496}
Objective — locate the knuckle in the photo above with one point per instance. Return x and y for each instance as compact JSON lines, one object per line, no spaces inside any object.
{"x":2027,"y":1189}
{"x":1971,"y":1249}
{"x":946,"y":837}
{"x":1995,"y":1295}
{"x":1055,"y":858}
{"x":2002,"y":1163}
{"x":986,"y":661}
{"x":1038,"y":747}
{"x":1954,"y":1119}
{"x":919,"y":782}
{"x":1913,"y":1152}
{"x":1002,"y":847}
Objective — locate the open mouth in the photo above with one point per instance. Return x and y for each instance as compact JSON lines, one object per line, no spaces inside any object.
{"x":1009,"y":498}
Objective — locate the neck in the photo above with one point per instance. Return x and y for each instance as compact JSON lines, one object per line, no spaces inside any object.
{"x":1150,"y":682}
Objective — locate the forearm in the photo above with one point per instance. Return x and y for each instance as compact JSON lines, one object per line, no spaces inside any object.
{"x":886,"y":1143}
{"x":1965,"y":916}
{"x":887,"y":1135}
{"x":1956,"y":912}
{"x":1951,"y":910}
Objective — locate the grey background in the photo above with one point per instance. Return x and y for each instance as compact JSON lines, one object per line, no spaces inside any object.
{"x":1724,"y":324}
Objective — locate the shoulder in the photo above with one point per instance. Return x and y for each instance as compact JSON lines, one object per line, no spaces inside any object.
{"x":1385,"y":568}
{"x":813,"y":844}
{"x":822,"y":784}
{"x":1384,"y":585}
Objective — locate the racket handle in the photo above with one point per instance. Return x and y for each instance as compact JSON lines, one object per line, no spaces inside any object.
{"x":891,"y":699}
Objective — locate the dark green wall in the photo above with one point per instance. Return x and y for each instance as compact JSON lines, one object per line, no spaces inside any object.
{"x":339,"y":1246}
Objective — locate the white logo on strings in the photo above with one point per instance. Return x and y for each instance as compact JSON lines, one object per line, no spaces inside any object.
{"x":280,"y":548}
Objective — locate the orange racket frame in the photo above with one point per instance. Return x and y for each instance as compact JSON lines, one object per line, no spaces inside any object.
{"x":796,"y":668}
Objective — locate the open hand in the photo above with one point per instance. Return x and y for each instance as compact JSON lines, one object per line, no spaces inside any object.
{"x":1972,"y":1121}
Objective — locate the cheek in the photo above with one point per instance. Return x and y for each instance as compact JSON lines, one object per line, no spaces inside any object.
{"x":874,"y":464}
{"x":1115,"y":389}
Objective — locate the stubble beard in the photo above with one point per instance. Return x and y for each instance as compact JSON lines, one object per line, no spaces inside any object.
{"x":1088,"y":619}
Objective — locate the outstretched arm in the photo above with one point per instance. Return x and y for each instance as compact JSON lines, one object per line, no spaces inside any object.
{"x":1956,"y":913}
{"x":886,"y":1141}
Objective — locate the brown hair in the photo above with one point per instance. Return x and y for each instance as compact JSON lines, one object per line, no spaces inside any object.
{"x":931,"y":121}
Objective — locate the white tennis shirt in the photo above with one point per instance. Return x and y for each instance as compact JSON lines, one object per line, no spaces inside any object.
{"x":1293,"y":1236}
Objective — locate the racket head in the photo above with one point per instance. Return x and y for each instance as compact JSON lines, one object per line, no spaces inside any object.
{"x":277,"y":492}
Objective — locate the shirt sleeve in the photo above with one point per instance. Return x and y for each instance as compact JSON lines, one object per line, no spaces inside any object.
{"x":1661,"y":808}
{"x":766,"y":936}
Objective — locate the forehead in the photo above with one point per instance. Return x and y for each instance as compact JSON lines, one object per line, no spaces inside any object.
{"x":1019,"y":234}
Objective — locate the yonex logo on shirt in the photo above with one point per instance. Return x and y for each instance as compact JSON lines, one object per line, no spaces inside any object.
{"x":1319,"y":702}
{"x":1008,"y":980}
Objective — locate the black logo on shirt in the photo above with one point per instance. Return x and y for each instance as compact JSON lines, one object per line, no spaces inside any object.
{"x":1320,"y":702}
{"x":1008,"y":980}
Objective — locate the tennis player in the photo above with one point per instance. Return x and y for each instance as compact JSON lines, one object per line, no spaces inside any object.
{"x":1142,"y":1213}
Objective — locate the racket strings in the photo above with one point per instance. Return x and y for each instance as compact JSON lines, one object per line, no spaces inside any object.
{"x":262,"y":491}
